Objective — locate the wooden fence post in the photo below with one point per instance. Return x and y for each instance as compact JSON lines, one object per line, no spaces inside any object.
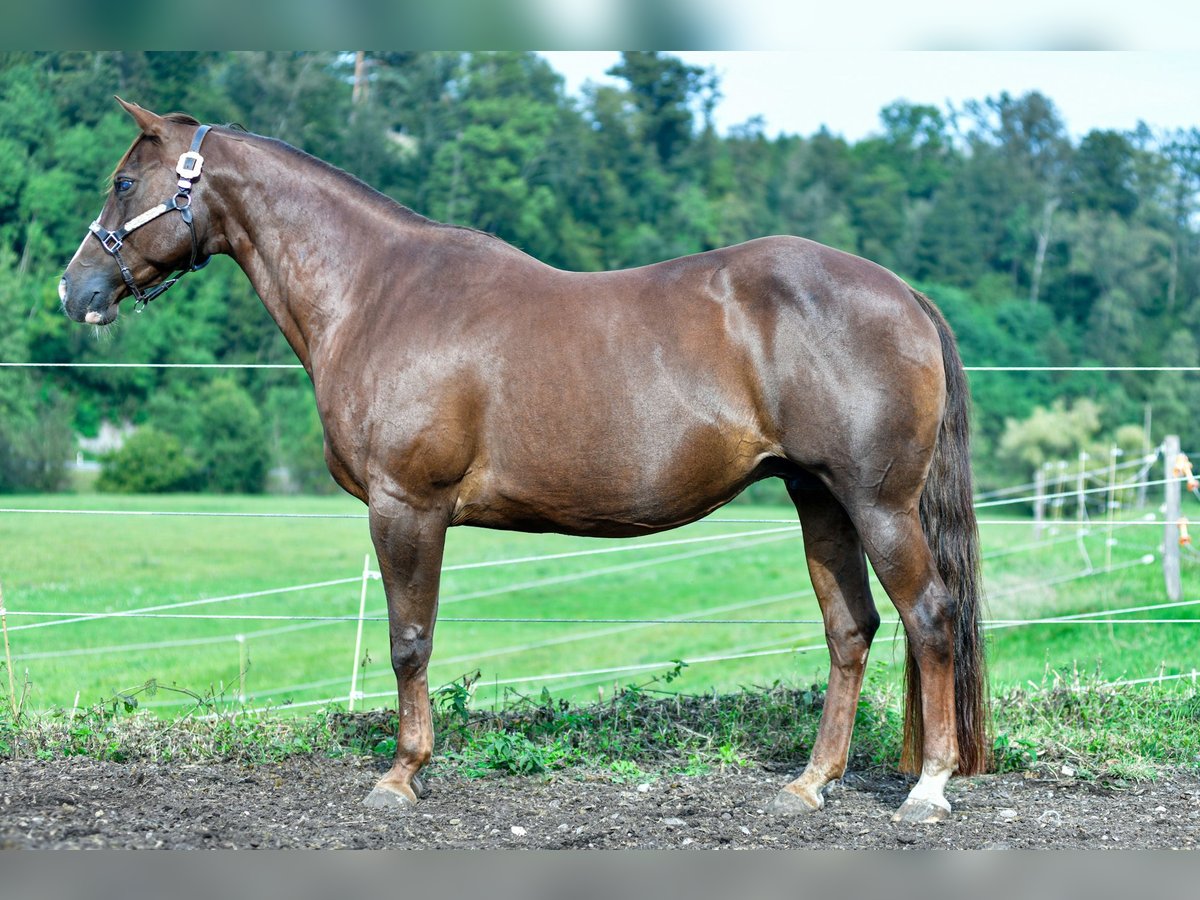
{"x":12,"y":690}
{"x":1171,"y":535}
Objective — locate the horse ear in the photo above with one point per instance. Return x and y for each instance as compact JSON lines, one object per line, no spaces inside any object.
{"x":149,"y":122}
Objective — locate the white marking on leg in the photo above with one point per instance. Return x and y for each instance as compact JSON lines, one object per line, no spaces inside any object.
{"x":931,"y":786}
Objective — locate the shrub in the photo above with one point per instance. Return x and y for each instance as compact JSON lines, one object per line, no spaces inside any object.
{"x":151,"y":462}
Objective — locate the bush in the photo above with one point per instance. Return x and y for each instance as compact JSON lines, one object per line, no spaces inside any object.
{"x":151,"y":462}
{"x":231,"y":446}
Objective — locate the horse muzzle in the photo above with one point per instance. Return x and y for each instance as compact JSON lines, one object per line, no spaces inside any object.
{"x":89,"y":299}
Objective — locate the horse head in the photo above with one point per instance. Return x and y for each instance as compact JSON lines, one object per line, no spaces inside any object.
{"x":153,"y":223}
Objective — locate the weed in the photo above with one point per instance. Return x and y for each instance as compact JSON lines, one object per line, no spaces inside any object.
{"x":1014,"y":754}
{"x":624,"y":770}
{"x":1072,"y":719}
{"x":511,"y":752}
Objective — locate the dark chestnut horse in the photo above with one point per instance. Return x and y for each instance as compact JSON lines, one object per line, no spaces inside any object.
{"x":462,"y":382}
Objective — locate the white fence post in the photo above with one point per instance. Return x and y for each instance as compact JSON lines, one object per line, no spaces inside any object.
{"x":362,"y":610}
{"x":1171,"y":535}
{"x":1039,"y":502}
{"x":1081,"y":510}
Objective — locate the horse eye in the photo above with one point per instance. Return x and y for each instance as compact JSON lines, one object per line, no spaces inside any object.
{"x":123,"y":184}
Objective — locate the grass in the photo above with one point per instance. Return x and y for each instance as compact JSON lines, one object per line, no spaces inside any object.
{"x":1072,"y":725}
{"x":101,"y":563}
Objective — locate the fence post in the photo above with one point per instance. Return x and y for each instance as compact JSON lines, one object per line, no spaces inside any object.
{"x":243,"y":665}
{"x":12,"y":689}
{"x":1081,"y":511}
{"x":1039,"y":502}
{"x":1146,"y":451}
{"x":362,"y":610}
{"x":1171,"y":536}
{"x":1111,"y":504}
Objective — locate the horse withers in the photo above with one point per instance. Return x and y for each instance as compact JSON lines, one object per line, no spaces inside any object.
{"x":461,"y":382}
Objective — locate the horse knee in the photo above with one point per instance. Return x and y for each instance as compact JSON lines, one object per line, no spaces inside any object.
{"x":849,"y":645}
{"x":411,"y":648}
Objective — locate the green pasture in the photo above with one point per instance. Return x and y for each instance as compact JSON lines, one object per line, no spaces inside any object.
{"x":94,"y":564}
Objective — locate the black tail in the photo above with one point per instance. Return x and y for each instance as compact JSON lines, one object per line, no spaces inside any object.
{"x":948,"y":518}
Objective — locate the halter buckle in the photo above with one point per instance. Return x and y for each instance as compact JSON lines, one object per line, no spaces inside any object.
{"x":189,"y":165}
{"x":111,"y":242}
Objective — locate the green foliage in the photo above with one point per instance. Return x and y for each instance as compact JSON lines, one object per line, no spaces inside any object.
{"x":220,"y":426}
{"x":150,"y":462}
{"x":514,"y":754}
{"x":1042,"y":249}
{"x":229,"y":442}
{"x":1049,"y":434}
{"x":298,"y":442}
{"x":1072,"y":725}
{"x":36,"y":439}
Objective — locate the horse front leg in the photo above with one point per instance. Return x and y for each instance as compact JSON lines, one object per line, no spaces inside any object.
{"x":839,"y":576}
{"x":409,"y":541}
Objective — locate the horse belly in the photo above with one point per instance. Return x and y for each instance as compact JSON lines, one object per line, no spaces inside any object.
{"x":624,"y":481}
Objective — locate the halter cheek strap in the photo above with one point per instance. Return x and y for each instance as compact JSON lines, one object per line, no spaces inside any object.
{"x":188,"y":169}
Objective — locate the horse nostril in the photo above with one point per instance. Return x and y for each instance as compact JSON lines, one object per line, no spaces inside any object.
{"x":62,"y":289}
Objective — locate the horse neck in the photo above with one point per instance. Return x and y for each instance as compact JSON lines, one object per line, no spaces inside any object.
{"x":298,"y":229}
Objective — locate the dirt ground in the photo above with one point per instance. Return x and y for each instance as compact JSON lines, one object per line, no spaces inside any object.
{"x":316,"y":802}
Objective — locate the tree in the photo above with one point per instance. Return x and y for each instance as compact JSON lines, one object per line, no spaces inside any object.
{"x":1127,"y":263}
{"x":1173,"y":397}
{"x":663,"y":90}
{"x":988,"y":207}
{"x":1020,"y":148}
{"x":489,"y":174}
{"x":225,"y":435}
{"x":1103,"y":174}
{"x":1059,"y":432}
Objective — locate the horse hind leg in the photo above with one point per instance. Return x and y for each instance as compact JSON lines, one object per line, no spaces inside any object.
{"x":896,"y":545}
{"x":838,"y":570}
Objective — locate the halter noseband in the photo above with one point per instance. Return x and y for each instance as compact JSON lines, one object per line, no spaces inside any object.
{"x":188,"y":169}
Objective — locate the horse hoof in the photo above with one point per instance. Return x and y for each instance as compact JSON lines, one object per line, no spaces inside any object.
{"x":921,"y":812}
{"x":789,"y":803}
{"x":388,"y":798}
{"x":419,"y":787}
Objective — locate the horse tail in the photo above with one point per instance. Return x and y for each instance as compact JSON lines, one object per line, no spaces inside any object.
{"x":948,"y":519}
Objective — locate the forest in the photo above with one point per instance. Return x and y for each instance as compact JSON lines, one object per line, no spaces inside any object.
{"x":1042,"y":248}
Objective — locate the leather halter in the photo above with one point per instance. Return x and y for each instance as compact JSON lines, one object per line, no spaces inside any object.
{"x":188,"y":169}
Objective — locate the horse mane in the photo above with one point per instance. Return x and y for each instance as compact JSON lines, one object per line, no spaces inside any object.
{"x":364,"y":190}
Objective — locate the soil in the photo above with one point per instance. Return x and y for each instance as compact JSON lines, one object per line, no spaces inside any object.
{"x":316,"y":802}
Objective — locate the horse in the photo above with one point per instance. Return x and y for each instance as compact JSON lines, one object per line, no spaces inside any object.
{"x":460,"y":381}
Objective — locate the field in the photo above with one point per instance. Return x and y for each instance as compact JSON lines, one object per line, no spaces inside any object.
{"x":741,"y":571}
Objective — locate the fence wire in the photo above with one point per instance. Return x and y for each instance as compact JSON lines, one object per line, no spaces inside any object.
{"x":732,"y":541}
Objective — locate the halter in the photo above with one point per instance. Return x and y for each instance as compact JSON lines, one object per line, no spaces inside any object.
{"x":188,"y":168}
